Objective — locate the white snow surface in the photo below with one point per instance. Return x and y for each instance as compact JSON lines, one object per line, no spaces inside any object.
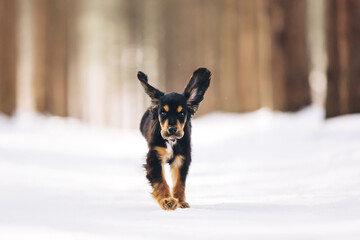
{"x":261,"y":175}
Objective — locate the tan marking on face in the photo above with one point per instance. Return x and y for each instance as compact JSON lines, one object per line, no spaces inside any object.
{"x":166,"y":108}
{"x":180,"y":127}
{"x":164,"y":127}
{"x":178,"y":188}
{"x":179,"y":109}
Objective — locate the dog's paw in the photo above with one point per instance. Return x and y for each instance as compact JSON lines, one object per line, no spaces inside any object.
{"x":183,"y":205}
{"x":169,"y":203}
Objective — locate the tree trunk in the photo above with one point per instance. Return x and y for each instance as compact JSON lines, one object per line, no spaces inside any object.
{"x":56,"y":58}
{"x":179,"y":43}
{"x":8,"y":28}
{"x":229,"y":57}
{"x":343,"y":91}
{"x":291,"y":90}
{"x":264,"y":53}
{"x":39,"y":17}
{"x":248,"y":67}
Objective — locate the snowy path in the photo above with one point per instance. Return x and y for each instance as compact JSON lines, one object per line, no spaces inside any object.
{"x":256,"y":176}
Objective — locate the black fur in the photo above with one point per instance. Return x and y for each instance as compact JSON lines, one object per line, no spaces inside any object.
{"x":163,"y":114}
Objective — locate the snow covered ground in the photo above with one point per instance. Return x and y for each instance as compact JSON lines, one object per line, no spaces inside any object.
{"x":260,"y":175}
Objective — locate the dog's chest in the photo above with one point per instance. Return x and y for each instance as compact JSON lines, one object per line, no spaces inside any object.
{"x":169,"y":151}
{"x":166,"y":154}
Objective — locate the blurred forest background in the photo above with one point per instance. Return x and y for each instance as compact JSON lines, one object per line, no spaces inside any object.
{"x":80,"y":58}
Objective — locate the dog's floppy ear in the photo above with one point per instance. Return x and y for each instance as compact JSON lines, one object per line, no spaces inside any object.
{"x":196,"y":88}
{"x":153,"y":93}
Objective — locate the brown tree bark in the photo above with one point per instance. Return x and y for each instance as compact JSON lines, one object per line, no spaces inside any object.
{"x":206,"y":50}
{"x":353,"y":8}
{"x":248,"y":58}
{"x":343,"y":90}
{"x":56,"y":58}
{"x":291,"y":90}
{"x":191,"y":39}
{"x":179,"y":43}
{"x":264,"y":53}
{"x":229,"y":57}
{"x":39,"y":18}
{"x":8,"y":28}
{"x":50,"y":60}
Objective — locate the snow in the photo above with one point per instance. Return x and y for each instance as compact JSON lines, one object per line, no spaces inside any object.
{"x":260,"y":175}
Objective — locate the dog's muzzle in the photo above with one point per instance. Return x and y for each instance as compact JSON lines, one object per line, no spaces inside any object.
{"x":172,"y":134}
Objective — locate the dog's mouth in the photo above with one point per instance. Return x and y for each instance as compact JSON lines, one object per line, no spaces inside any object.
{"x":172,"y":139}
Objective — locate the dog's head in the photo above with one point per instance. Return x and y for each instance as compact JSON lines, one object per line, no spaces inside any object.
{"x":174,"y":109}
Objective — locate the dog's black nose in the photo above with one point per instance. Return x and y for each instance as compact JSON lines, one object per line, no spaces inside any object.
{"x":172,"y":130}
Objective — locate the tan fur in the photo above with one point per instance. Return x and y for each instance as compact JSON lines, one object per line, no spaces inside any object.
{"x":161,"y":194}
{"x":161,"y":191}
{"x":162,"y":153}
{"x":179,"y":109}
{"x":180,"y":127}
{"x":179,"y":188}
{"x":169,"y":203}
{"x":175,"y":167}
{"x":164,"y":127}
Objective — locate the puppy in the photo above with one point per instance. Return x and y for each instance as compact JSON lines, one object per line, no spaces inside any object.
{"x":166,"y":126}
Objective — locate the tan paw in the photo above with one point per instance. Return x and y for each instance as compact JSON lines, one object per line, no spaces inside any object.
{"x":183,"y":205}
{"x":169,"y":203}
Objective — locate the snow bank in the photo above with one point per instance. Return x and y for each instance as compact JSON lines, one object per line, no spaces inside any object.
{"x":261,"y":175}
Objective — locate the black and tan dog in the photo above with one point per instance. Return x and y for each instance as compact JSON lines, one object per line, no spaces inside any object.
{"x":166,"y":125}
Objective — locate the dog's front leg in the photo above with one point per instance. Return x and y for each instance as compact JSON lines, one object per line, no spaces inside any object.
{"x":155,"y":174}
{"x":179,"y":170}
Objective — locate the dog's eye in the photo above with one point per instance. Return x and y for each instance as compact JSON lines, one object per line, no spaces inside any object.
{"x":181,"y":114}
{"x":163,"y":113}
